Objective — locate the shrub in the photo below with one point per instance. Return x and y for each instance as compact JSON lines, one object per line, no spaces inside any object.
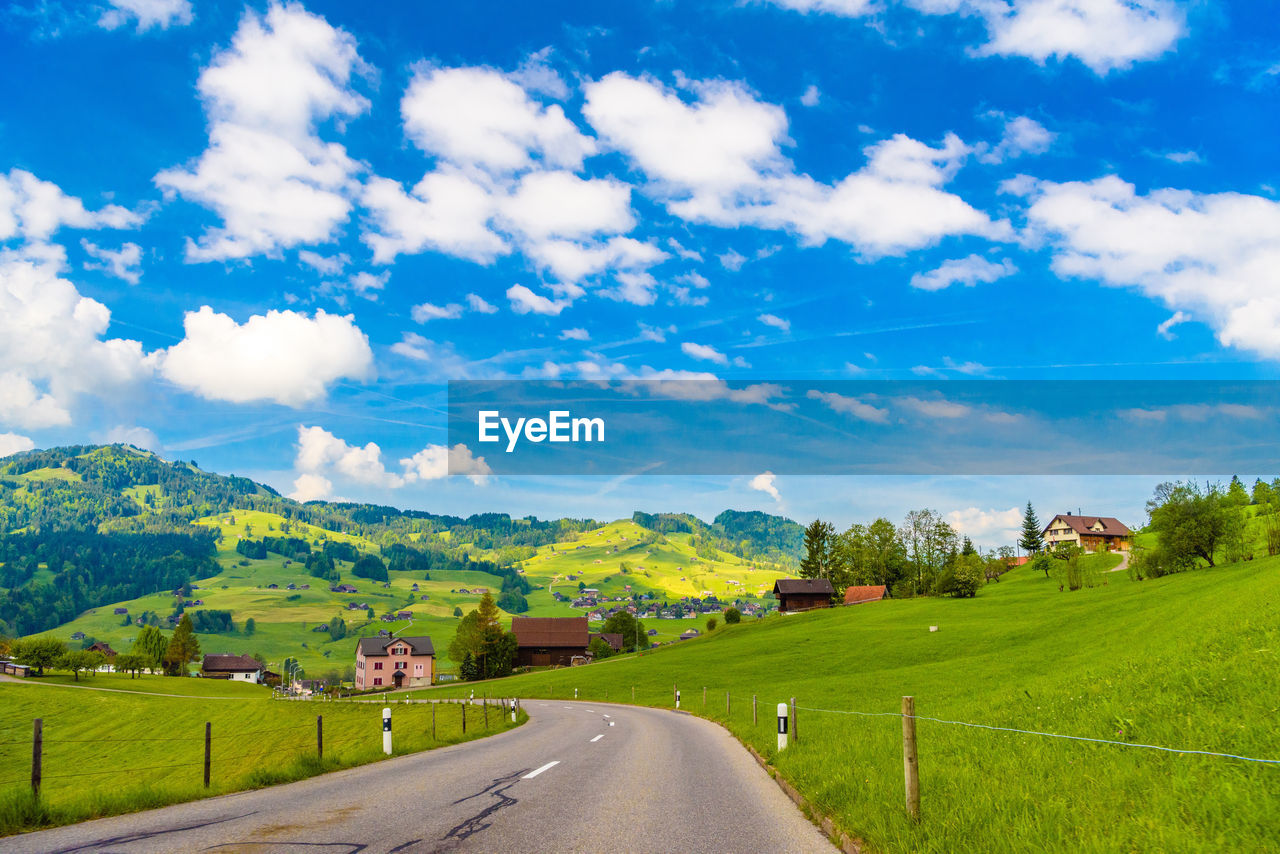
{"x":711,"y":624}
{"x":732,"y":616}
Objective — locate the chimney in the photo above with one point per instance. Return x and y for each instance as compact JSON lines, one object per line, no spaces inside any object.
{"x":1079,"y":512}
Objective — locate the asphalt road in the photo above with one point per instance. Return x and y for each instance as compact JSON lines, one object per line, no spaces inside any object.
{"x":590,"y":777}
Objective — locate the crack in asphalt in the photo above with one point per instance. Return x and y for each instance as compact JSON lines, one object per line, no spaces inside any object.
{"x":475,"y":824}
{"x":97,"y":844}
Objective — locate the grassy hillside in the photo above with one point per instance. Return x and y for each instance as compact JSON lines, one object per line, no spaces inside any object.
{"x":1189,"y":661}
{"x":108,"y":752}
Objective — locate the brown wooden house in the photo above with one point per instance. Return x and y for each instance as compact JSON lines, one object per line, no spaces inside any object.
{"x":1090,"y":533}
{"x":549,"y":641}
{"x":803,"y":594}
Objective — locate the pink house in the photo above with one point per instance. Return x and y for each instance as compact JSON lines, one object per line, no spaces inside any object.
{"x":394,"y":662}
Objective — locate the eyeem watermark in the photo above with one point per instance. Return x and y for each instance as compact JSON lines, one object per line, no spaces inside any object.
{"x":558,"y":426}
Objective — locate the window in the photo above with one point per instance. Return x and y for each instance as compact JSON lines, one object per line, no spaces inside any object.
{"x":377,"y":665}
{"x":401,"y":664}
{"x":417,"y":670}
{"x":377,"y":680}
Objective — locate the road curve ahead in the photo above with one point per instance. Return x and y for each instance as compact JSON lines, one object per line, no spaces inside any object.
{"x":588,"y":777}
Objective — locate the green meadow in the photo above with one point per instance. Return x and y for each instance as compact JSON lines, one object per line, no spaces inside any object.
{"x":1189,"y":661}
{"x":107,"y":752}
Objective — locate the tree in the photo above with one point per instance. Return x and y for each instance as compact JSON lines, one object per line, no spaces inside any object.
{"x":968,"y":575}
{"x":131,"y":663}
{"x":467,"y":668}
{"x":184,"y":648}
{"x":1262,"y":494}
{"x":371,"y":567}
{"x":1030,"y":541}
{"x":480,"y":635}
{"x":599,"y":649}
{"x":38,"y":652}
{"x":250,"y":626}
{"x":1190,"y":521}
{"x":632,"y":630}
{"x":732,"y":616}
{"x":151,"y":645}
{"x":1236,"y":494}
{"x":457,"y":610}
{"x":81,"y":659}
{"x":818,"y":544}
{"x":711,"y":624}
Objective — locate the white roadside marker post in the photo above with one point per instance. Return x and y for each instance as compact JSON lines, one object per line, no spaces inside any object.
{"x":386,"y":731}
{"x":513,"y":710}
{"x":782,"y":726}
{"x":575,"y":693}
{"x":677,"y":699}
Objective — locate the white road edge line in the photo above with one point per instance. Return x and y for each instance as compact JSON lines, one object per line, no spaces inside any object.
{"x":538,"y":771}
{"x":598,"y":737}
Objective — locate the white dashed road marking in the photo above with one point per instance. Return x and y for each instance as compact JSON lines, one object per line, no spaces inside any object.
{"x":598,"y":737}
{"x":537,"y":771}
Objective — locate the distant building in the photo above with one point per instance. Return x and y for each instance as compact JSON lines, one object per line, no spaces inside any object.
{"x":547,"y":641}
{"x":803,"y":594}
{"x":613,"y":639}
{"x":1090,"y":533}
{"x":104,"y":648}
{"x":859,"y":595}
{"x":120,"y":611}
{"x":240,"y":668}
{"x":394,"y":662}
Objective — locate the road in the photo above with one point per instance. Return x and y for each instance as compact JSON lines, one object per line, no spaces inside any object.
{"x":591,"y":777}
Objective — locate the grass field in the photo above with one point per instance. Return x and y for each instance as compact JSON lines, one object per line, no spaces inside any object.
{"x":1189,"y":661}
{"x":107,"y":752}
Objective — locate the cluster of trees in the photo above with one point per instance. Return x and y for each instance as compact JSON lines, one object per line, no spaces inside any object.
{"x":482,"y":648}
{"x":212,"y":621}
{"x":924,"y":555}
{"x":1208,"y":523}
{"x":151,"y":651}
{"x":751,"y":535}
{"x":293,"y":548}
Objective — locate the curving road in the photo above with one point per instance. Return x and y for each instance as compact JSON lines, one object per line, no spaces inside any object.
{"x":590,"y":777}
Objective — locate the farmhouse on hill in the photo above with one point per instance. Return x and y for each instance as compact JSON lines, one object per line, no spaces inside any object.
{"x":240,"y":668}
{"x":394,"y":662}
{"x":548,"y":641}
{"x":1091,"y":533}
{"x":859,"y":595}
{"x":803,"y":594}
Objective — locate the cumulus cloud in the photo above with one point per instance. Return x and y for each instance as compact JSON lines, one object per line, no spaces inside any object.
{"x":848,"y":405}
{"x":427,"y":312}
{"x":765,"y":482}
{"x":1103,"y":34}
{"x":140,"y":437}
{"x":148,"y":13}
{"x":12,"y":443}
{"x":987,"y":525}
{"x":1165,"y":329}
{"x":967,"y":271}
{"x":718,"y":160}
{"x":123,"y":263}
{"x":282,"y":356}
{"x":52,"y":348}
{"x":1214,"y":255}
{"x":322,"y":456}
{"x":311,"y":487}
{"x":776,"y":322}
{"x":704,"y":352}
{"x":811,"y":96}
{"x":478,"y":304}
{"x":525,"y":301}
{"x":577,"y":334}
{"x":32,"y":209}
{"x":437,"y":461}
{"x":267,"y":173}
{"x":1022,"y":135}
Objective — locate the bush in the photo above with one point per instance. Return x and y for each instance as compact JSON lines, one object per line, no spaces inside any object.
{"x":600,"y":649}
{"x":711,"y":624}
{"x":732,"y":616}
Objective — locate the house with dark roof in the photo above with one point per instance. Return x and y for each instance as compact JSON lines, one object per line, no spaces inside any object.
{"x":549,"y":641}
{"x":1090,"y":533}
{"x":855,"y":595}
{"x":393,"y":662}
{"x":613,"y":639}
{"x":803,"y":594}
{"x":240,"y":668}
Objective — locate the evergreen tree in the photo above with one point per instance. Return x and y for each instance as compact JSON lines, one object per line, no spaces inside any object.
{"x":184,"y":648}
{"x":1030,"y":541}
{"x":1236,"y":494}
{"x":250,"y":626}
{"x":818,"y":542}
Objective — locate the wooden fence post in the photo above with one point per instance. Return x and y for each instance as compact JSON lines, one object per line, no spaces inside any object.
{"x":795,"y":730}
{"x":320,"y":736}
{"x":37,"y":754}
{"x":728,"y":709}
{"x":208,"y":750}
{"x":704,"y":696}
{"x":485,"y":704}
{"x":755,"y":719}
{"x":464,"y":717}
{"x":433,"y":721}
{"x":910,"y":762}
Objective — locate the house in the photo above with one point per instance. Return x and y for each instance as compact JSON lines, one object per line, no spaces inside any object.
{"x":77,"y":636}
{"x":104,"y":648}
{"x":239,"y":668}
{"x":859,"y":595}
{"x":120,"y":611}
{"x":803,"y":594}
{"x":549,"y":641}
{"x":394,"y":662}
{"x":1090,"y":533}
{"x":689,"y":634}
{"x":273,"y":586}
{"x":342,"y":588}
{"x":613,"y":639}
{"x":404,"y":615}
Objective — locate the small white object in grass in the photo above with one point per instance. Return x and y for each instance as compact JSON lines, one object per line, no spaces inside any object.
{"x":933,"y":628}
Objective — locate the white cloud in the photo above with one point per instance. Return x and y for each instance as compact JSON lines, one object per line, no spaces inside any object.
{"x":478,"y":304}
{"x":718,"y":160}
{"x":987,"y":525}
{"x":311,"y":487}
{"x":270,"y":177}
{"x":577,"y":334}
{"x":12,"y":443}
{"x":447,"y":212}
{"x":704,"y":352}
{"x":1196,"y":413}
{"x":427,"y":312}
{"x":1022,"y":135}
{"x":560,"y":204}
{"x":847,"y":405}
{"x":330,"y":265}
{"x":32,"y":209}
{"x":123,"y":263}
{"x":148,"y":13}
{"x":52,"y":348}
{"x":1214,"y":255}
{"x":970,"y":368}
{"x":935,"y":408}
{"x":732,"y":260}
{"x":573,"y":262}
{"x":765,"y":482}
{"x":1182,"y":157}
{"x":1164,"y":330}
{"x":437,"y":461}
{"x":967,"y":271}
{"x":524,"y":301}
{"x":282,"y":356}
{"x":322,"y":453}
{"x":811,"y":96}
{"x":367,"y":284}
{"x":655,"y":333}
{"x":775,"y":321}
{"x":1103,"y":34}
{"x":140,"y":437}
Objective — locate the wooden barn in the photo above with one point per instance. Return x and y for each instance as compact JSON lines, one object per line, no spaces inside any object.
{"x":549,"y":641}
{"x":857,"y":595}
{"x":803,"y":594}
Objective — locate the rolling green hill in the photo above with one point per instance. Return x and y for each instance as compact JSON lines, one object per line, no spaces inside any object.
{"x":1188,"y":661}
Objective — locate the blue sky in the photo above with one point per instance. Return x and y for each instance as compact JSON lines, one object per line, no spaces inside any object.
{"x":262,"y":237}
